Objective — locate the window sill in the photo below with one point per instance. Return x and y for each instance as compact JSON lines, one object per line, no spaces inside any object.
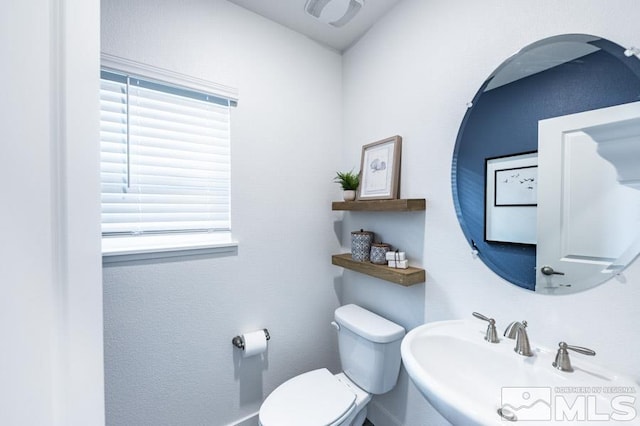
{"x":126,"y":249}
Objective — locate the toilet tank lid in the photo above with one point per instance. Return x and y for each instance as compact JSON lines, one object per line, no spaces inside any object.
{"x":368,"y":325}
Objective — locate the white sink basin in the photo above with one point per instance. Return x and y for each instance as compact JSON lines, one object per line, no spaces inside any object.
{"x":468,"y":380}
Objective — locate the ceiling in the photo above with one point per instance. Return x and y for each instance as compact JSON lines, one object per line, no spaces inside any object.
{"x":291,"y":14}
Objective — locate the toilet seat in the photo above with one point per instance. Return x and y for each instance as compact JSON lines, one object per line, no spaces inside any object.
{"x":316,"y":398}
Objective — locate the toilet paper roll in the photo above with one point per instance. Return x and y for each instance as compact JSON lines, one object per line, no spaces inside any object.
{"x":254,"y":343}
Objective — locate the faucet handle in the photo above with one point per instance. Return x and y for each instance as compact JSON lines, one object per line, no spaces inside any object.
{"x":580,"y":349}
{"x":492,"y":334}
{"x":482,"y":317}
{"x":562,"y":361}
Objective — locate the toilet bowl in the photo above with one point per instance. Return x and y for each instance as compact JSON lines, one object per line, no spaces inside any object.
{"x":369,"y":347}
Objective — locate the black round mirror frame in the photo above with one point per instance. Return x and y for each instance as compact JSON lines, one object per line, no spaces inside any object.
{"x":504,"y":120}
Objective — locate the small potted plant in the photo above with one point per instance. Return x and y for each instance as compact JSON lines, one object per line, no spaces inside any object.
{"x":349,"y":182}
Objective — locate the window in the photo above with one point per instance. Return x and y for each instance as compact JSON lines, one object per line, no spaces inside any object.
{"x":165,"y":158}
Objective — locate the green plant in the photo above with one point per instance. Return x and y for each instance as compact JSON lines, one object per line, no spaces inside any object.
{"x":348,"y":180}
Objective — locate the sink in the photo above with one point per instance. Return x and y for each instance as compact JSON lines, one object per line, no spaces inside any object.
{"x":473,"y":382}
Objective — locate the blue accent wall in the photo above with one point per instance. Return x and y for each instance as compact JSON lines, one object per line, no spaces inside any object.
{"x":504,"y":121}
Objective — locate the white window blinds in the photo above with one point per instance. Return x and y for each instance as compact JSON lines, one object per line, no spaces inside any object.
{"x":165,"y":158}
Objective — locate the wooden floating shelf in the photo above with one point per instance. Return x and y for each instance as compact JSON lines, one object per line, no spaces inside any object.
{"x":405,"y":277}
{"x":404,"y":205}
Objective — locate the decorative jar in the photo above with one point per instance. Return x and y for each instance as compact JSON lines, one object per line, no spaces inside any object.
{"x":379,"y":253}
{"x":361,"y":245}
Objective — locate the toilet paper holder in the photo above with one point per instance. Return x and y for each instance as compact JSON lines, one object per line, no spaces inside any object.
{"x":238,"y":341}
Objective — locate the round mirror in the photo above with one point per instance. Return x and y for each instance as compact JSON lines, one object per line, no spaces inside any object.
{"x":544,"y":168}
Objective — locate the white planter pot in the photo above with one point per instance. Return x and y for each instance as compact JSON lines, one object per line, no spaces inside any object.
{"x":349,"y":195}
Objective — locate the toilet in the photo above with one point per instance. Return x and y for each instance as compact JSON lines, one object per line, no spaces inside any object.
{"x":369,"y":347}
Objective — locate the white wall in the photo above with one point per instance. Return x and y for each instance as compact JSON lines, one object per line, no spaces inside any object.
{"x":412,"y":75}
{"x":169,"y":325}
{"x":51,"y":370}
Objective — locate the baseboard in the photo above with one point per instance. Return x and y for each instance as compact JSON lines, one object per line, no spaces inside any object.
{"x":250,"y":420}
{"x":378,"y":415}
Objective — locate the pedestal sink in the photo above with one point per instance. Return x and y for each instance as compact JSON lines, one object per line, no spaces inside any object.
{"x":473,"y":382}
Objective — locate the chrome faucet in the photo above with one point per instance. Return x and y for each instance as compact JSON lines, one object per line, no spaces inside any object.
{"x":518,"y":330}
{"x":562,"y":362}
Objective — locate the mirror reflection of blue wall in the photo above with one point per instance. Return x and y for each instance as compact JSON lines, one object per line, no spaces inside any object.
{"x":504,"y":121}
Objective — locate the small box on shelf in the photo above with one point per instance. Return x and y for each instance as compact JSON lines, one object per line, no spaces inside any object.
{"x":398,"y":264}
{"x":396,"y":255}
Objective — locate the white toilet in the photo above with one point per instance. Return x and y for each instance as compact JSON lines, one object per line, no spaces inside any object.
{"x":369,"y":348}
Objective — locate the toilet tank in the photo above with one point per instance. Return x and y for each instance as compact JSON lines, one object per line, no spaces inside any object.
{"x":369,"y":348}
